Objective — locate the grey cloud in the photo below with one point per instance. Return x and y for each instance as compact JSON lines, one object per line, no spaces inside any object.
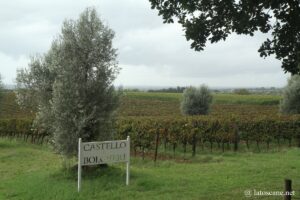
{"x":165,"y":46}
{"x":147,"y":48}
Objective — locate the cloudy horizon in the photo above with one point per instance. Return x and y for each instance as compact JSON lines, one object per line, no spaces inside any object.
{"x":150,"y":53}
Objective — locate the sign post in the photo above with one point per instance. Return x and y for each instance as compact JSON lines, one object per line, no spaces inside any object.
{"x":128,"y":162}
{"x":79,"y":165}
{"x":95,"y":153}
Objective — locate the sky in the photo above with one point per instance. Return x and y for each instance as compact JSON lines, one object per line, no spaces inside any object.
{"x":150,"y":53}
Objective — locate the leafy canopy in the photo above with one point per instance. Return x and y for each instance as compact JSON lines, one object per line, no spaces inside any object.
{"x":214,"y":20}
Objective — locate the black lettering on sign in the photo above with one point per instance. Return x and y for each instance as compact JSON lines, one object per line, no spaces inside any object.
{"x":100,"y":146}
{"x":114,"y":145}
{"x":123,"y":145}
{"x":86,"y":147}
{"x":116,"y":157}
{"x":104,"y":146}
{"x":90,"y":160}
{"x":85,"y":160}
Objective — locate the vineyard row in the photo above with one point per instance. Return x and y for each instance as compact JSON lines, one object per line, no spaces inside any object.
{"x":149,"y":134}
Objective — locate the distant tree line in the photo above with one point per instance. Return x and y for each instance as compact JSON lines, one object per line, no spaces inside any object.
{"x":241,"y":91}
{"x":258,"y":90}
{"x":177,"y":89}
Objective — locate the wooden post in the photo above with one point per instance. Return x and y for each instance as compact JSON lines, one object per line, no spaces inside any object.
{"x":79,"y":165}
{"x":236,"y":138}
{"x":128,"y":163}
{"x":194,"y":145}
{"x":287,"y":189}
{"x":156,"y":145}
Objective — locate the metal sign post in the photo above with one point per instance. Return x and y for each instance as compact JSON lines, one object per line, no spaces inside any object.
{"x":128,"y":162}
{"x":79,"y":165}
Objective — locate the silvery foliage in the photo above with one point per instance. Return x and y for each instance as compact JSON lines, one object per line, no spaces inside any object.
{"x":71,"y":84}
{"x":290,"y":104}
{"x":196,"y":101}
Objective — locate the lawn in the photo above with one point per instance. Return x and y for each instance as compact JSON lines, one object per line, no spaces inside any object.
{"x":34,"y":172}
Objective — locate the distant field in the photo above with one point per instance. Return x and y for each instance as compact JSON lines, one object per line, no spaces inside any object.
{"x":252,"y":99}
{"x":10,"y":109}
{"x":165,"y":104}
{"x":246,"y":99}
{"x":168,"y":104}
{"x":31,"y":172}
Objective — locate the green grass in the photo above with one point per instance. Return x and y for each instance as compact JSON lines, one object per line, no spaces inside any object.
{"x":34,"y":172}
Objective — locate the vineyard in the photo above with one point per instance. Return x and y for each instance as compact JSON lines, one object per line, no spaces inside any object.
{"x":134,"y":100}
{"x":157,"y":128}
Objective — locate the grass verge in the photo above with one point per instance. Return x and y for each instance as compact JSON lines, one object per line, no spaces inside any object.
{"x":34,"y":172}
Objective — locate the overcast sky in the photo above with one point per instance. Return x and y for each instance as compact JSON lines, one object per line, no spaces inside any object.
{"x":150,"y":53}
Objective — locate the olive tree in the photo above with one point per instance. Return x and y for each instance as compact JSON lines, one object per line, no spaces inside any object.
{"x":196,"y":101}
{"x":290,"y":104}
{"x":72,"y":84}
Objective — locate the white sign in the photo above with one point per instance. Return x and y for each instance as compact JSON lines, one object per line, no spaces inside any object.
{"x":95,"y":153}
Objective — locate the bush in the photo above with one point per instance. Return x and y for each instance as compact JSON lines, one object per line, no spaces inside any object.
{"x":196,"y":101}
{"x":241,"y":91}
{"x":290,"y":104}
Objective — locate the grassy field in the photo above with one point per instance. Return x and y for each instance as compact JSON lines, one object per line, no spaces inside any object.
{"x":31,"y":172}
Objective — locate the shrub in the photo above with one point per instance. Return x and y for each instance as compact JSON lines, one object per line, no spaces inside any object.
{"x":196,"y":101}
{"x":290,"y":104}
{"x":241,"y":91}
